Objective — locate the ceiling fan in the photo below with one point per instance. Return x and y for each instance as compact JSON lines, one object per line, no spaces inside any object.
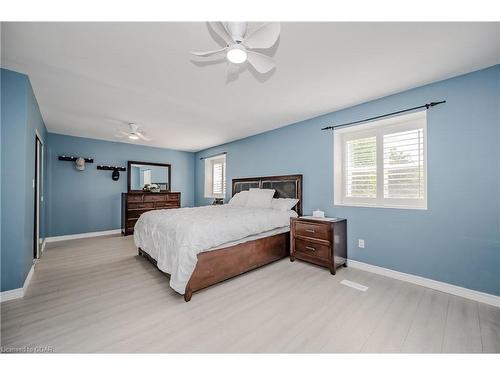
{"x":240,"y":42}
{"x":134,"y":134}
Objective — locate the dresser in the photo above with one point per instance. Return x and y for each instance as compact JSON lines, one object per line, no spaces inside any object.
{"x":319,"y":241}
{"x":134,"y":204}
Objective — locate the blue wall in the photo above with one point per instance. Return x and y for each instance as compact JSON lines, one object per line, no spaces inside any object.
{"x":89,"y":200}
{"x":457,"y":240}
{"x":20,"y":116}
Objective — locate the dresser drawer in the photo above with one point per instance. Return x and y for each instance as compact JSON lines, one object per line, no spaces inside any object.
{"x":134,"y":214}
{"x":312,"y":249}
{"x":130,"y":226}
{"x":134,"y":198}
{"x":167,"y":205}
{"x":312,"y":230}
{"x":173,"y":197}
{"x":136,"y":206}
{"x":155,"y":198}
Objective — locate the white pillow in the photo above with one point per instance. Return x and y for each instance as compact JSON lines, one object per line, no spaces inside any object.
{"x":239,"y":199}
{"x":283,"y":204}
{"x":260,"y":198}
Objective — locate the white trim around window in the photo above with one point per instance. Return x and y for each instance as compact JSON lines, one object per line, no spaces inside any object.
{"x":382,"y":163}
{"x":215,"y":177}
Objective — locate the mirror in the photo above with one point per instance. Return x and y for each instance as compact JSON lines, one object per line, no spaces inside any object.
{"x":141,"y":174}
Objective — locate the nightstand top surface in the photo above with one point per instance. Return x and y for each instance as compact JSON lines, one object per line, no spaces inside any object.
{"x":321,"y":219}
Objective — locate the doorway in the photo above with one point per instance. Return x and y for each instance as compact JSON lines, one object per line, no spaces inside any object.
{"x":38,"y":195}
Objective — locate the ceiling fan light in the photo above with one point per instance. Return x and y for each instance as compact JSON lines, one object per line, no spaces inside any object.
{"x":236,"y":54}
{"x":133,"y":137}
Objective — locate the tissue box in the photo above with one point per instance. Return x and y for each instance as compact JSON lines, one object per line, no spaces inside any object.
{"x":318,"y":213}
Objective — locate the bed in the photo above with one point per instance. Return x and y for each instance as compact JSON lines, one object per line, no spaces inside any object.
{"x":193,"y":269}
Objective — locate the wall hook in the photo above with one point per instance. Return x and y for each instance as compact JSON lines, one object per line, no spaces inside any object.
{"x":116,"y":170}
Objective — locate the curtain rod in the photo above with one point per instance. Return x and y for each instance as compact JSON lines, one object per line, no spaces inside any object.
{"x":212,"y":156}
{"x":426,"y":106}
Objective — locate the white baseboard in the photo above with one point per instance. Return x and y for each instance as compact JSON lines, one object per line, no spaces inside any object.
{"x":42,"y":248}
{"x":474,"y":295}
{"x":17,"y":293}
{"x":11,"y":294}
{"x":82,"y":235}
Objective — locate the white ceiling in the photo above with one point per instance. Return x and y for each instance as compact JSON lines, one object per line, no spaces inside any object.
{"x":92,"y":78}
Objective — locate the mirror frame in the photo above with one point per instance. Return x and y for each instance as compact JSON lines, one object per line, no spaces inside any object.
{"x":129,"y":171}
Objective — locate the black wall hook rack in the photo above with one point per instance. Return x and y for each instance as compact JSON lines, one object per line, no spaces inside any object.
{"x":73,"y":158}
{"x":115,"y":176}
{"x":111,"y":168}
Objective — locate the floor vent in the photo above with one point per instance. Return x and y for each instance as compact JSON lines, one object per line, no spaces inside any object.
{"x":354,"y":285}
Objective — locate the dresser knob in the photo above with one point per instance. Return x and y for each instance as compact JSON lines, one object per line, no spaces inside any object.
{"x":310,"y":230}
{"x":310,"y":248}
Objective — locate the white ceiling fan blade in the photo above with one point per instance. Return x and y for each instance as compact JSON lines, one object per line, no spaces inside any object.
{"x":123,"y":133}
{"x":210,"y":53}
{"x":236,"y":30}
{"x":120,"y":136}
{"x":143,"y":137}
{"x":219,"y":29}
{"x":264,"y":37}
{"x":260,"y":62}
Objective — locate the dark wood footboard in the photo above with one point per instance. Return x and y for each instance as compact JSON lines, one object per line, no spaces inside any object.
{"x":219,"y":265}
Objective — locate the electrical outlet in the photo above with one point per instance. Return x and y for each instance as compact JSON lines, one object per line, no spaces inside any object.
{"x":361,"y":244}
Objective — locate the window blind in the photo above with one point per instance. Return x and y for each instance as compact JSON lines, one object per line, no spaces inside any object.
{"x":219,"y":181}
{"x":404,"y":165}
{"x":361,"y":168}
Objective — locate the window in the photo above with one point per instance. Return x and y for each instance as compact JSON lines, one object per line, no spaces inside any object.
{"x":215,"y":177}
{"x":147,"y":177}
{"x":382,"y":163}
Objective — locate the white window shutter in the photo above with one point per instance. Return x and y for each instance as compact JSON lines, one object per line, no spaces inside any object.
{"x":215,"y":177}
{"x":361,"y":168}
{"x":404,"y":165}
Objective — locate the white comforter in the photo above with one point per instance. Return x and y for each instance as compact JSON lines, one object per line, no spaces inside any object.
{"x":175,"y":237}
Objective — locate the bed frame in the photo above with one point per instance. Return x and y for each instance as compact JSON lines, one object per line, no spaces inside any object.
{"x":222,"y":264}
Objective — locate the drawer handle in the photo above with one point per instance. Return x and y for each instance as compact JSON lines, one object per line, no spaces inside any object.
{"x":310,"y":230}
{"x":310,"y":248}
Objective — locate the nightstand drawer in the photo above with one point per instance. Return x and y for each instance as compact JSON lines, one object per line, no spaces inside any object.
{"x":312,"y":230}
{"x":312,"y":249}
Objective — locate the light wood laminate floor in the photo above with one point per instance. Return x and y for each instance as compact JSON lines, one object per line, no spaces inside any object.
{"x":97,"y":295}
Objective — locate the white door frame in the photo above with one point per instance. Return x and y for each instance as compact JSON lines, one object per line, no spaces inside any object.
{"x":39,"y":196}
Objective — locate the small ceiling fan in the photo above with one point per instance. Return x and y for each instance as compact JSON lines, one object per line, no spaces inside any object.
{"x":134,"y":134}
{"x":240,"y":44}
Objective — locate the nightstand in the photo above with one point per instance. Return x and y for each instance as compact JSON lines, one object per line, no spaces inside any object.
{"x":321,"y":241}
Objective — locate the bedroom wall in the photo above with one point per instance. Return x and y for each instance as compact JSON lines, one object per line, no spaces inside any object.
{"x":20,"y":116}
{"x":89,"y":200}
{"x":457,"y":240}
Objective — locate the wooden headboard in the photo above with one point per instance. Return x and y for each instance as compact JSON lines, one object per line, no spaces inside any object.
{"x":289,"y":186}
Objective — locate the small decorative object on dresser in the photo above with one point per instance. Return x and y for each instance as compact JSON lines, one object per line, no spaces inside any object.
{"x":321,"y":241}
{"x":134,"y":204}
{"x":151,"y":188}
